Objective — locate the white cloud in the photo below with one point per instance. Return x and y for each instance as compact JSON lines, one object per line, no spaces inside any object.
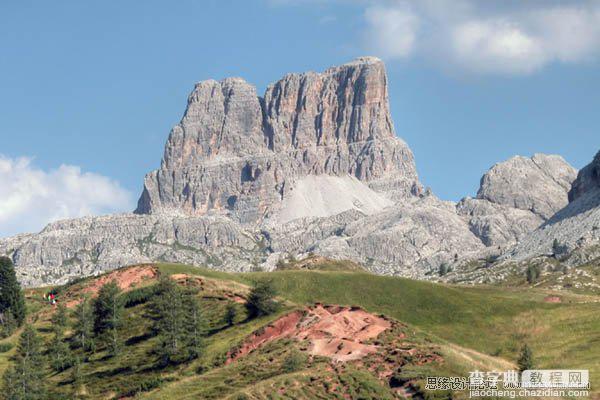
{"x":496,"y":46}
{"x":485,"y":36}
{"x":391,"y":32}
{"x":31,"y":197}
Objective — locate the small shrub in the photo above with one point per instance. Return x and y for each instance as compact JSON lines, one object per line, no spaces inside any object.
{"x":533,"y":273}
{"x":139,"y":296}
{"x":295,"y":361}
{"x":525,"y":358}
{"x":4,"y":347}
{"x":144,"y":385}
{"x":231,"y":313}
{"x":443,"y":270}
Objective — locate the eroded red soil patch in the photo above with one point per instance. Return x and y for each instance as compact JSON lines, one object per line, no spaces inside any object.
{"x":125,"y":278}
{"x":340,"y":333}
{"x":552,"y":299}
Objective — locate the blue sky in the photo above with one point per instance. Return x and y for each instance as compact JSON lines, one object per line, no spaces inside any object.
{"x":96,"y":87}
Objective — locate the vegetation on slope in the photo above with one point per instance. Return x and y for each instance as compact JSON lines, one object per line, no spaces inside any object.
{"x":450,"y":329}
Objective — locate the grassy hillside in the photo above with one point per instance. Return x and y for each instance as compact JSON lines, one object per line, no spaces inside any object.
{"x":444,"y":330}
{"x":491,"y":320}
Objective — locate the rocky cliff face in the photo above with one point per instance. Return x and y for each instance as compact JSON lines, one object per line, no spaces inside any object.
{"x":588,"y":180}
{"x":313,"y":166}
{"x":237,"y":153}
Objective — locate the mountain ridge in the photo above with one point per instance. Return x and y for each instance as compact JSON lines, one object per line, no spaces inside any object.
{"x":313,"y":167}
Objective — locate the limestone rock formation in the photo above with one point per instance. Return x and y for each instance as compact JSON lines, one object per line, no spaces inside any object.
{"x":516,"y":196}
{"x":574,"y":231}
{"x":588,"y":179}
{"x":88,"y":246}
{"x":538,"y":184}
{"x":237,"y":153}
{"x":313,"y":166}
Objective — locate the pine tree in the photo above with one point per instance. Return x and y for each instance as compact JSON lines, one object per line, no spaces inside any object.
{"x":59,"y":318}
{"x":261,"y":299}
{"x":108,"y":310}
{"x":11,"y":296}
{"x":525,"y":359}
{"x":59,"y":353}
{"x":8,"y":324}
{"x":25,"y":380}
{"x":84,"y":326}
{"x":178,"y":323}
{"x":76,"y":377}
{"x":170,"y":319}
{"x":194,"y":328}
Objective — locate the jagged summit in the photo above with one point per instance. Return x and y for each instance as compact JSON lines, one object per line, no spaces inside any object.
{"x":238,"y":153}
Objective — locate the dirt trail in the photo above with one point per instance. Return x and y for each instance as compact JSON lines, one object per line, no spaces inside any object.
{"x":340,"y":333}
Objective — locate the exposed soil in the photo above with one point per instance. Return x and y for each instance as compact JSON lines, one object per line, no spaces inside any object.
{"x":217,"y":289}
{"x":126,"y":279}
{"x":340,"y":333}
{"x":552,"y":299}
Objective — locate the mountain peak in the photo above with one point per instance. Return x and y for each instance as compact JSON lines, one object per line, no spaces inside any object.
{"x":236,"y":153}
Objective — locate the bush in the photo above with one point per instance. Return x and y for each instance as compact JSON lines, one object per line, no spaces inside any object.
{"x":525,"y":359}
{"x":144,"y":385}
{"x":4,"y":347}
{"x":230,"y":314}
{"x":295,"y":361}
{"x":139,"y":296}
{"x":443,"y":270}
{"x":261,"y":299}
{"x":533,"y":273}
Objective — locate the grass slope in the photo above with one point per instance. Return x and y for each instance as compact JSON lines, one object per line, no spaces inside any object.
{"x":487,"y":319}
{"x":472,"y":328}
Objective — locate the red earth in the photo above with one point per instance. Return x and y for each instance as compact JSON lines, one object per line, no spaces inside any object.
{"x":340,"y":333}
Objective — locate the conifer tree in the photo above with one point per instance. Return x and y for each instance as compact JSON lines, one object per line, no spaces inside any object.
{"x":108,"y":310}
{"x":170,"y":319}
{"x":11,"y":297}
{"x":178,"y":323}
{"x":25,"y":380}
{"x":84,"y":326}
{"x":8,"y":324}
{"x":59,"y":318}
{"x":59,"y":354}
{"x":194,"y":328}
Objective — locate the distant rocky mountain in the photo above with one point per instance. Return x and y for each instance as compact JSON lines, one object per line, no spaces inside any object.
{"x":516,"y":196}
{"x":313,"y":166}
{"x":236,"y":152}
{"x":573,"y":233}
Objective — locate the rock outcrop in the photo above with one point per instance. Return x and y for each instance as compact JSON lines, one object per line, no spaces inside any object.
{"x":573,"y":233}
{"x":88,"y":246}
{"x":588,"y":180}
{"x":237,"y":153}
{"x":539,"y":184}
{"x":516,"y":196}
